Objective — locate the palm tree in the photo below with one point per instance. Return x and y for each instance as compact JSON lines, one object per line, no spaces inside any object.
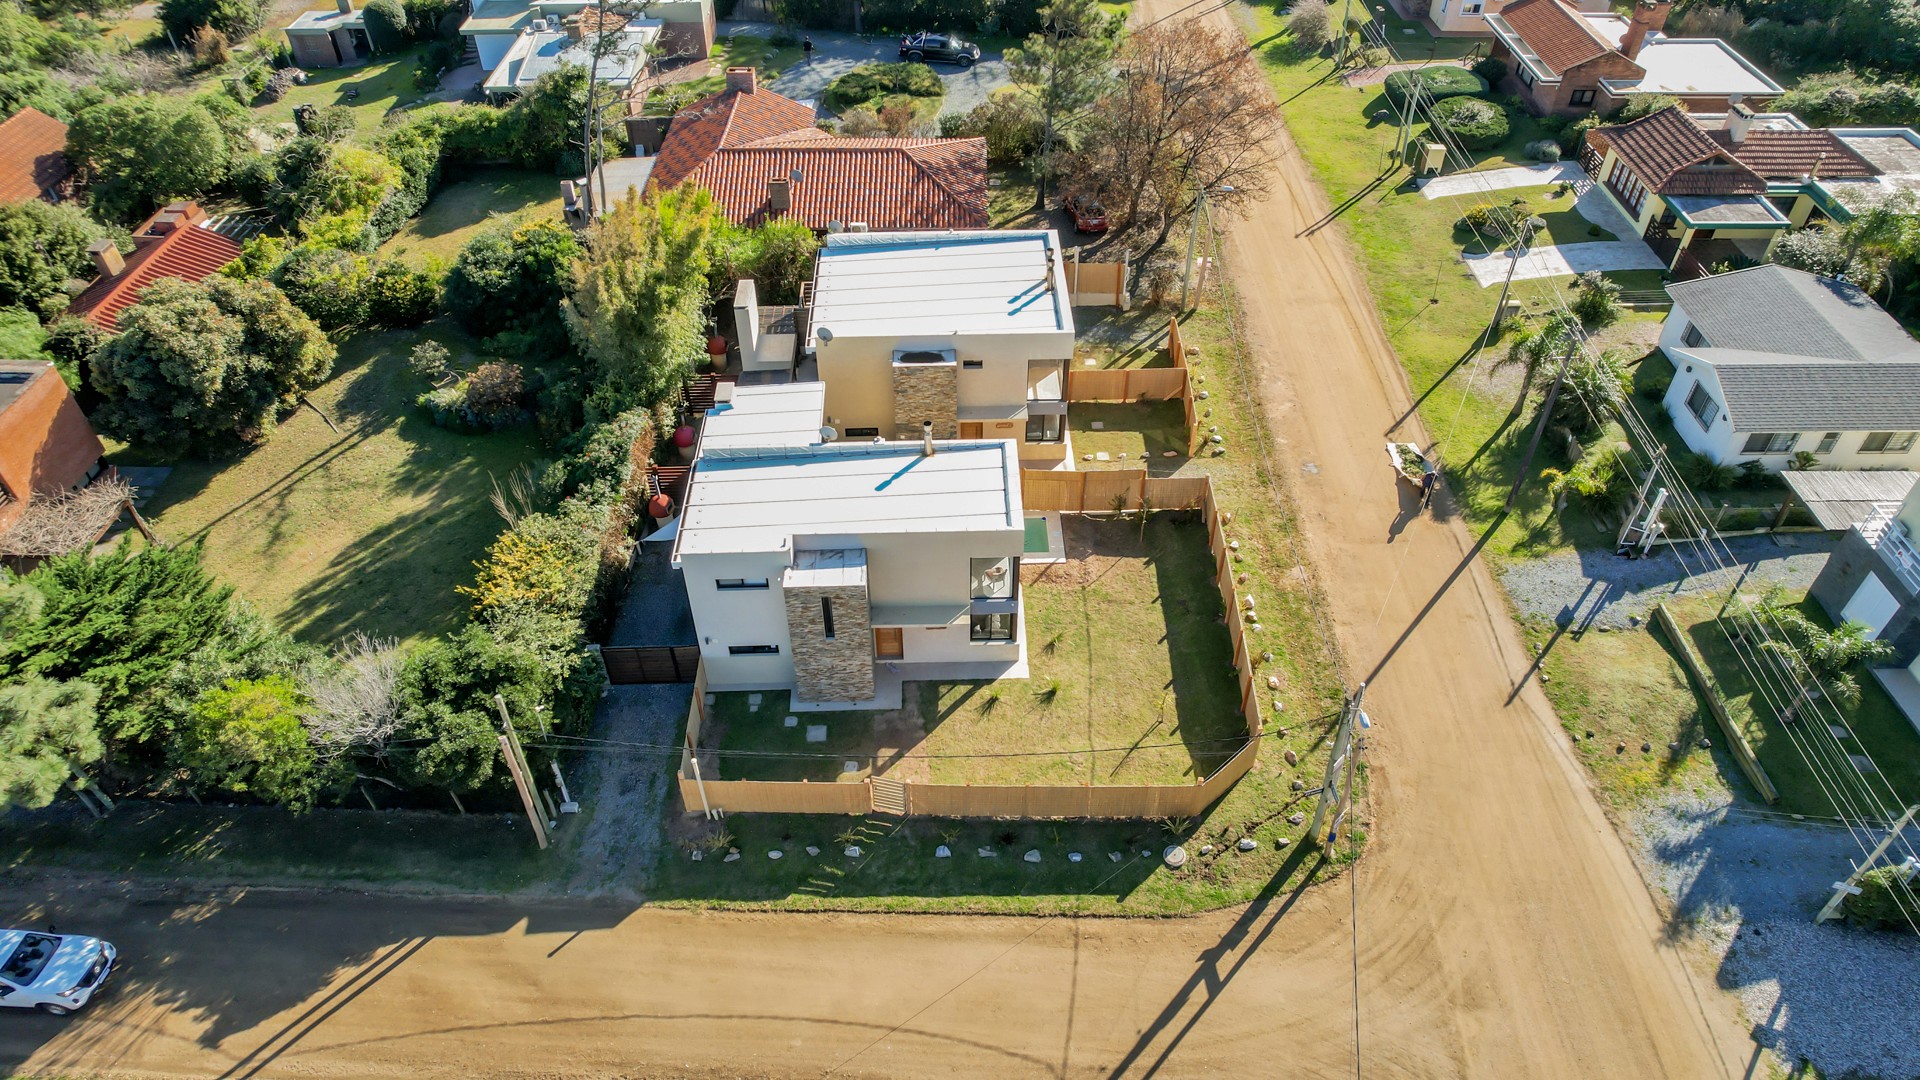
{"x":1816,"y":656}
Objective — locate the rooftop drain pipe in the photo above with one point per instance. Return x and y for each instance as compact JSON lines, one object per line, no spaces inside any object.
{"x":926,"y":438}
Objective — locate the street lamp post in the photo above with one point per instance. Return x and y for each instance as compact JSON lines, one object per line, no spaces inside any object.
{"x":1193,"y":239}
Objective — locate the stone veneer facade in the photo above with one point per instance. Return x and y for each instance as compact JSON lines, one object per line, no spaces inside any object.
{"x":926,"y":392}
{"x":836,"y":670}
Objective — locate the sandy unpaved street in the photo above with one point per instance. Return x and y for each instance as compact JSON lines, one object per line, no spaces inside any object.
{"x":1503,"y":931}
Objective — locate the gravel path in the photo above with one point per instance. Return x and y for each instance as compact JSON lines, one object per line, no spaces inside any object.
{"x":1838,"y":997}
{"x":656,"y":611}
{"x":625,"y":795}
{"x":835,"y":54}
{"x":1598,"y":589}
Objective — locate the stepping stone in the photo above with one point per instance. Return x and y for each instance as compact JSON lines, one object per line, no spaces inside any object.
{"x":811,"y":850}
{"x":753,"y":699}
{"x":776,"y":854}
{"x":791,"y":721}
{"x":1074,"y":856}
{"x":1102,"y":456}
{"x":1247,"y":843}
{"x":1099,"y":425}
{"x":732,"y":856}
{"x":699,"y":856}
{"x":1295,"y":819}
{"x":816,"y":733}
{"x":1863,"y":763}
{"x":1206,"y":849}
{"x":1839,"y":732}
{"x":987,"y":853}
{"x":753,"y":706}
{"x":1032,"y":855}
{"x":1146,"y":854}
{"x":1175,"y":856}
{"x":853,"y":851}
{"x":849,"y":766}
{"x":1090,"y":362}
{"x":1282,"y":842}
{"x":943,"y":852}
{"x":1114,"y":856}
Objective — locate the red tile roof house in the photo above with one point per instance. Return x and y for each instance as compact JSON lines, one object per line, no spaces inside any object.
{"x":33,"y":158}
{"x":46,"y":445}
{"x":173,"y":243}
{"x":1708,"y":189}
{"x":1566,"y":61}
{"x":762,"y":157}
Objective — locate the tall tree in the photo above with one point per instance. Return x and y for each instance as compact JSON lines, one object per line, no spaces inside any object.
{"x":1190,"y":116}
{"x":140,"y":150}
{"x":41,"y":248}
{"x":207,"y":364}
{"x":47,"y":731}
{"x":640,"y":296}
{"x":510,"y":279}
{"x":1064,"y":68}
{"x":246,"y":737}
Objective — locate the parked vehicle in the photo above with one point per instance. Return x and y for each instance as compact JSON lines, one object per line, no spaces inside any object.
{"x":1088,"y":215}
{"x":924,"y":47}
{"x":55,"y":973}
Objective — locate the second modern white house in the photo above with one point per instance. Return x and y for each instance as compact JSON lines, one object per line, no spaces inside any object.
{"x":970,"y":330}
{"x":1769,"y":362}
{"x":838,"y":569}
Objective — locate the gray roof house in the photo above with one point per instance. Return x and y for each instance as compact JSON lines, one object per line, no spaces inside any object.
{"x":1770,"y":362}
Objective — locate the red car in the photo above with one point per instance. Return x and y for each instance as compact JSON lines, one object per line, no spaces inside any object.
{"x":1088,"y":215}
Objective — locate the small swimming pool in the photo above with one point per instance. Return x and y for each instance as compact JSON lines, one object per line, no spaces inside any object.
{"x":1045,"y":542}
{"x":1036,"y":536}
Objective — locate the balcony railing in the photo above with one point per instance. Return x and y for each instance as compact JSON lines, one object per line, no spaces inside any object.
{"x":1888,"y":535}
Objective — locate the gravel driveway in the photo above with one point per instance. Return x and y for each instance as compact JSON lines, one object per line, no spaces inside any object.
{"x":624,"y":795}
{"x":835,"y":54}
{"x":1599,"y":589}
{"x":1838,"y":997}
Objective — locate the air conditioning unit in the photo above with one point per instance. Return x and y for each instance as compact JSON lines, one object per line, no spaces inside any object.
{"x":539,"y":26}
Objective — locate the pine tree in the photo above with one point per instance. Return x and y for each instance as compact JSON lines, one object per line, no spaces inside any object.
{"x":47,"y":731}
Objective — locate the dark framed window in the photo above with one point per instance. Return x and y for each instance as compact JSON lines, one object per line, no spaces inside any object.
{"x":1887,"y":442}
{"x":1693,"y":338}
{"x":1827,"y":442}
{"x":1526,"y":75}
{"x":826,"y":616}
{"x":994,"y":627}
{"x":1581,"y":97}
{"x":863,"y":432}
{"x":753,"y":650}
{"x":1770,"y":442}
{"x":973,"y":365}
{"x":995,"y":579}
{"x":729,"y":584}
{"x":1702,"y":406}
{"x":1046,"y":427}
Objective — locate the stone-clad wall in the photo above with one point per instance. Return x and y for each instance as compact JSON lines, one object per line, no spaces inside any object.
{"x":837,"y":670}
{"x":926,"y":392}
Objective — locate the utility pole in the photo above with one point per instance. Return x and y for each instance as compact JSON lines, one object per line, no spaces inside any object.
{"x":1346,"y":19}
{"x":1546,"y":411}
{"x":1200,"y":206}
{"x":522,"y":775}
{"x":1639,"y":498}
{"x":1851,"y":887}
{"x":1342,"y":757}
{"x":1524,"y":241}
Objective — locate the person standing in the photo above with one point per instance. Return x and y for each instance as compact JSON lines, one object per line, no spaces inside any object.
{"x":806,"y":46}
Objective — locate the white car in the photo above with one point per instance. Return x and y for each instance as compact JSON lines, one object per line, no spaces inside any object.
{"x":55,"y":973}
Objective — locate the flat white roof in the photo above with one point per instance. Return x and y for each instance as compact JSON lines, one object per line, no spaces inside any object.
{"x":1695,"y":66}
{"x":322,"y":22}
{"x":759,"y":502}
{"x":939,"y":284}
{"x":763,"y":417}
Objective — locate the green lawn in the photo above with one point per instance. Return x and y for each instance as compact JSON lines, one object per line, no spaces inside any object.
{"x":462,"y":206}
{"x":369,"y":529}
{"x":737,"y":728}
{"x":1628,"y":688}
{"x":1142,"y":431}
{"x":384,"y":83}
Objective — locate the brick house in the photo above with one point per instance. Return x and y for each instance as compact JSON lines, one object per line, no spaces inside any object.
{"x":838,"y":569}
{"x":762,"y":158}
{"x":1567,"y":61}
{"x":175,"y":242}
{"x":46,"y":443}
{"x":33,"y":158}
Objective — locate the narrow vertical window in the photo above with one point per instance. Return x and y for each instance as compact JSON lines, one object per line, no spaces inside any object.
{"x":826,"y":616}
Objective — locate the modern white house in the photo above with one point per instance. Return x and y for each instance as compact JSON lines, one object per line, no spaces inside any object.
{"x":535,"y":52}
{"x":969,"y":330}
{"x":1769,"y":362}
{"x":494,"y":26}
{"x":837,"y":569}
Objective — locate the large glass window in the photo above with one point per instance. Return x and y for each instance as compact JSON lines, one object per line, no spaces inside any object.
{"x":1702,"y":406}
{"x":1045,"y":427}
{"x":1770,"y":442}
{"x":996,"y":627}
{"x":1887,"y":442}
{"x":995,"y":579}
{"x":1581,"y":97}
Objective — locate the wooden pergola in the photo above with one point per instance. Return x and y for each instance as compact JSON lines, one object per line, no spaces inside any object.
{"x":1839,"y":499}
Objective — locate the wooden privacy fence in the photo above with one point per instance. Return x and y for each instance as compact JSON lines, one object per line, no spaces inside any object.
{"x":1140,"y":384}
{"x":699,"y":791}
{"x":666,"y":664}
{"x":1097,"y":284}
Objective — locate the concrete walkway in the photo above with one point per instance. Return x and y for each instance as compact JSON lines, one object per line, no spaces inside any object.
{"x":1548,"y":260}
{"x":1490,"y":180}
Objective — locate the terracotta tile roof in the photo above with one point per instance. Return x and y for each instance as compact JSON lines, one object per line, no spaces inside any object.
{"x":593,"y":20}
{"x":733,"y":142}
{"x":1555,"y":32}
{"x":32,"y":155}
{"x":186,"y":251}
{"x":1672,"y":155}
{"x":1789,"y":155}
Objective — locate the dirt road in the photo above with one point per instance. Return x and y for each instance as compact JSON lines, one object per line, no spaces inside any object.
{"x":1502,"y":930}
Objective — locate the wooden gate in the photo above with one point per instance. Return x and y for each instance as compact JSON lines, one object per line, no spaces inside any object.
{"x":658,"y":665}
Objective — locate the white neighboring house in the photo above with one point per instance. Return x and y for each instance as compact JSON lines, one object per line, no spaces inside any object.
{"x":808,"y":563}
{"x":971,"y":329}
{"x":1770,"y":361}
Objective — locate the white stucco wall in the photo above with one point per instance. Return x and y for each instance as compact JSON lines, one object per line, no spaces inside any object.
{"x":859,"y":374}
{"x":493,"y":48}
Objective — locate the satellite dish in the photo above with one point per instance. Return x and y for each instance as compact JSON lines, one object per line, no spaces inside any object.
{"x":835,"y":226}
{"x":827,"y":434}
{"x":794,"y":176}
{"x":823,"y":333}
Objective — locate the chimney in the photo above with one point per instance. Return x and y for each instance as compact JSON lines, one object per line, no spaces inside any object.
{"x":106,"y":258}
{"x":575,"y":31}
{"x":926,"y":438}
{"x":1649,"y":17}
{"x":743,"y":79}
{"x":746,"y":318}
{"x":162,"y":224}
{"x":345,"y":6}
{"x":779,"y":195}
{"x":1739,"y":120}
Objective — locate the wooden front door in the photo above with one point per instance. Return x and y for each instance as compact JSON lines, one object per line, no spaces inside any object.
{"x":972,"y":431}
{"x":889,"y":642}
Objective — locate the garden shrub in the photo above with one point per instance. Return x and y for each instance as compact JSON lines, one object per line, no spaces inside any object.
{"x":1702,"y":473}
{"x":1491,"y":70}
{"x":1474,"y":123}
{"x":428,"y":20}
{"x":1010,"y":123}
{"x":873,"y":82}
{"x":1439,"y":83}
{"x":1880,"y":904}
{"x":386,"y":24}
{"x":328,"y":284}
{"x":543,"y":562}
{"x":495,"y":392}
{"x":1494,"y":221}
{"x":399,"y":295}
{"x":1544,"y":150}
{"x":246,"y":737}
{"x":511,"y":278}
{"x":1596,"y":300}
